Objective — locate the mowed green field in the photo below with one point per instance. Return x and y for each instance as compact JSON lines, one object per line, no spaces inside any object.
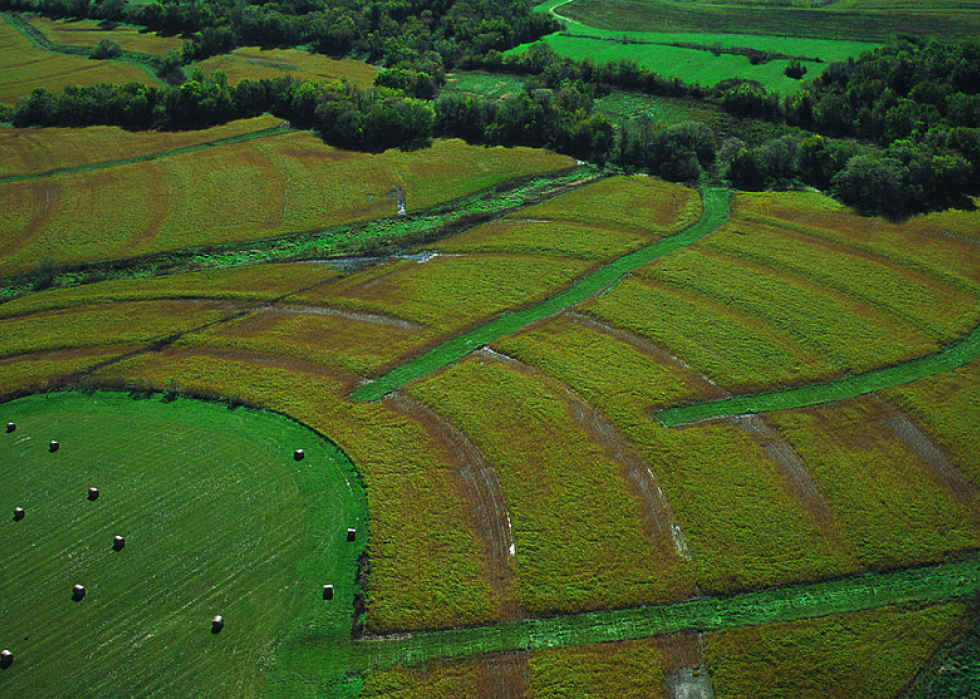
{"x":218,"y":519}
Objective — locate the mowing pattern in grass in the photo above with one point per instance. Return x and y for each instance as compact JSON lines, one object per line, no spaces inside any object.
{"x":86,"y":33}
{"x":255,"y":64}
{"x":866,"y":21}
{"x":237,"y":192}
{"x":24,"y":67}
{"x":873,"y":654}
{"x":218,"y":518}
{"x":426,"y":565}
{"x":715,"y":211}
{"x":893,"y":508}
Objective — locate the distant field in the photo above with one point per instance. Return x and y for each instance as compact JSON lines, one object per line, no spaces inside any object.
{"x":36,"y":151}
{"x":853,"y":20}
{"x":87,"y":33}
{"x":24,"y":67}
{"x":488,"y":84}
{"x":255,"y":63}
{"x":218,"y":518}
{"x":236,"y":192}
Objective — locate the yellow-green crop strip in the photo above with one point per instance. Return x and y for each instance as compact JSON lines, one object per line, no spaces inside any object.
{"x":961,"y":352}
{"x":715,"y":211}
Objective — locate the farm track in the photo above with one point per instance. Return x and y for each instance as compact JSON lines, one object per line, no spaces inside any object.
{"x":925,"y":585}
{"x":965,"y":350}
{"x":481,"y":488}
{"x":715,"y":212}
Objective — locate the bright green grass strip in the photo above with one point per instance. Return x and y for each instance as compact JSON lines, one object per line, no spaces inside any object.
{"x":868,"y":591}
{"x":715,"y":211}
{"x":953,"y":356}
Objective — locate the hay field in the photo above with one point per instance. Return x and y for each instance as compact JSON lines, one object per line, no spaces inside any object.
{"x":256,"y":63}
{"x":217,"y":518}
{"x":24,"y":67}
{"x":88,"y":33}
{"x":239,"y":191}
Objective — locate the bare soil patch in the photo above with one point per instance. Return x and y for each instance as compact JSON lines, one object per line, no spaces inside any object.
{"x":503,"y":676}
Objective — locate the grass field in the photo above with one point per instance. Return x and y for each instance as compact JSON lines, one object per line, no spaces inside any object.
{"x":24,"y":67}
{"x":237,"y":192}
{"x":255,"y":63}
{"x":218,"y":518}
{"x":892,"y":507}
{"x":874,"y":654}
{"x":850,"y":21}
{"x":34,"y":152}
{"x":87,"y":34}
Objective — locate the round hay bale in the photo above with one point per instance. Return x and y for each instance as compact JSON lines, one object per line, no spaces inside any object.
{"x":351,"y":534}
{"x":11,"y":427}
{"x":93,"y":494}
{"x":6,"y":659}
{"x":217,"y":624}
{"x":117,"y":543}
{"x":328,"y":592}
{"x":18,"y":514}
{"x":53,"y":446}
{"x":77,"y":593}
{"x":299,"y":455}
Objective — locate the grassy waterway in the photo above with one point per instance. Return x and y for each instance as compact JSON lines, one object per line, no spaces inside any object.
{"x":953,"y":356}
{"x":715,"y":211}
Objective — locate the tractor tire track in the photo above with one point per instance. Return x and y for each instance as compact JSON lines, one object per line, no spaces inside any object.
{"x":481,"y":488}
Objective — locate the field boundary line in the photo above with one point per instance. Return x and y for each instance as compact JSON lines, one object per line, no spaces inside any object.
{"x":954,"y":355}
{"x":715,"y":211}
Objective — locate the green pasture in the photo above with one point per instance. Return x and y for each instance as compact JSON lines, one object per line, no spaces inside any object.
{"x":218,"y":518}
{"x":853,"y":21}
{"x":487,"y":84}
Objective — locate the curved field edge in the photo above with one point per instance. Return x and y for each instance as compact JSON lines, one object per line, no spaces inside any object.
{"x":922,"y":586}
{"x":328,"y":496}
{"x":955,"y":355}
{"x":715,"y":209}
{"x":381,"y":236}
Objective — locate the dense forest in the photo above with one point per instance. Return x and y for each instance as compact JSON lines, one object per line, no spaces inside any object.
{"x":896,"y":130}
